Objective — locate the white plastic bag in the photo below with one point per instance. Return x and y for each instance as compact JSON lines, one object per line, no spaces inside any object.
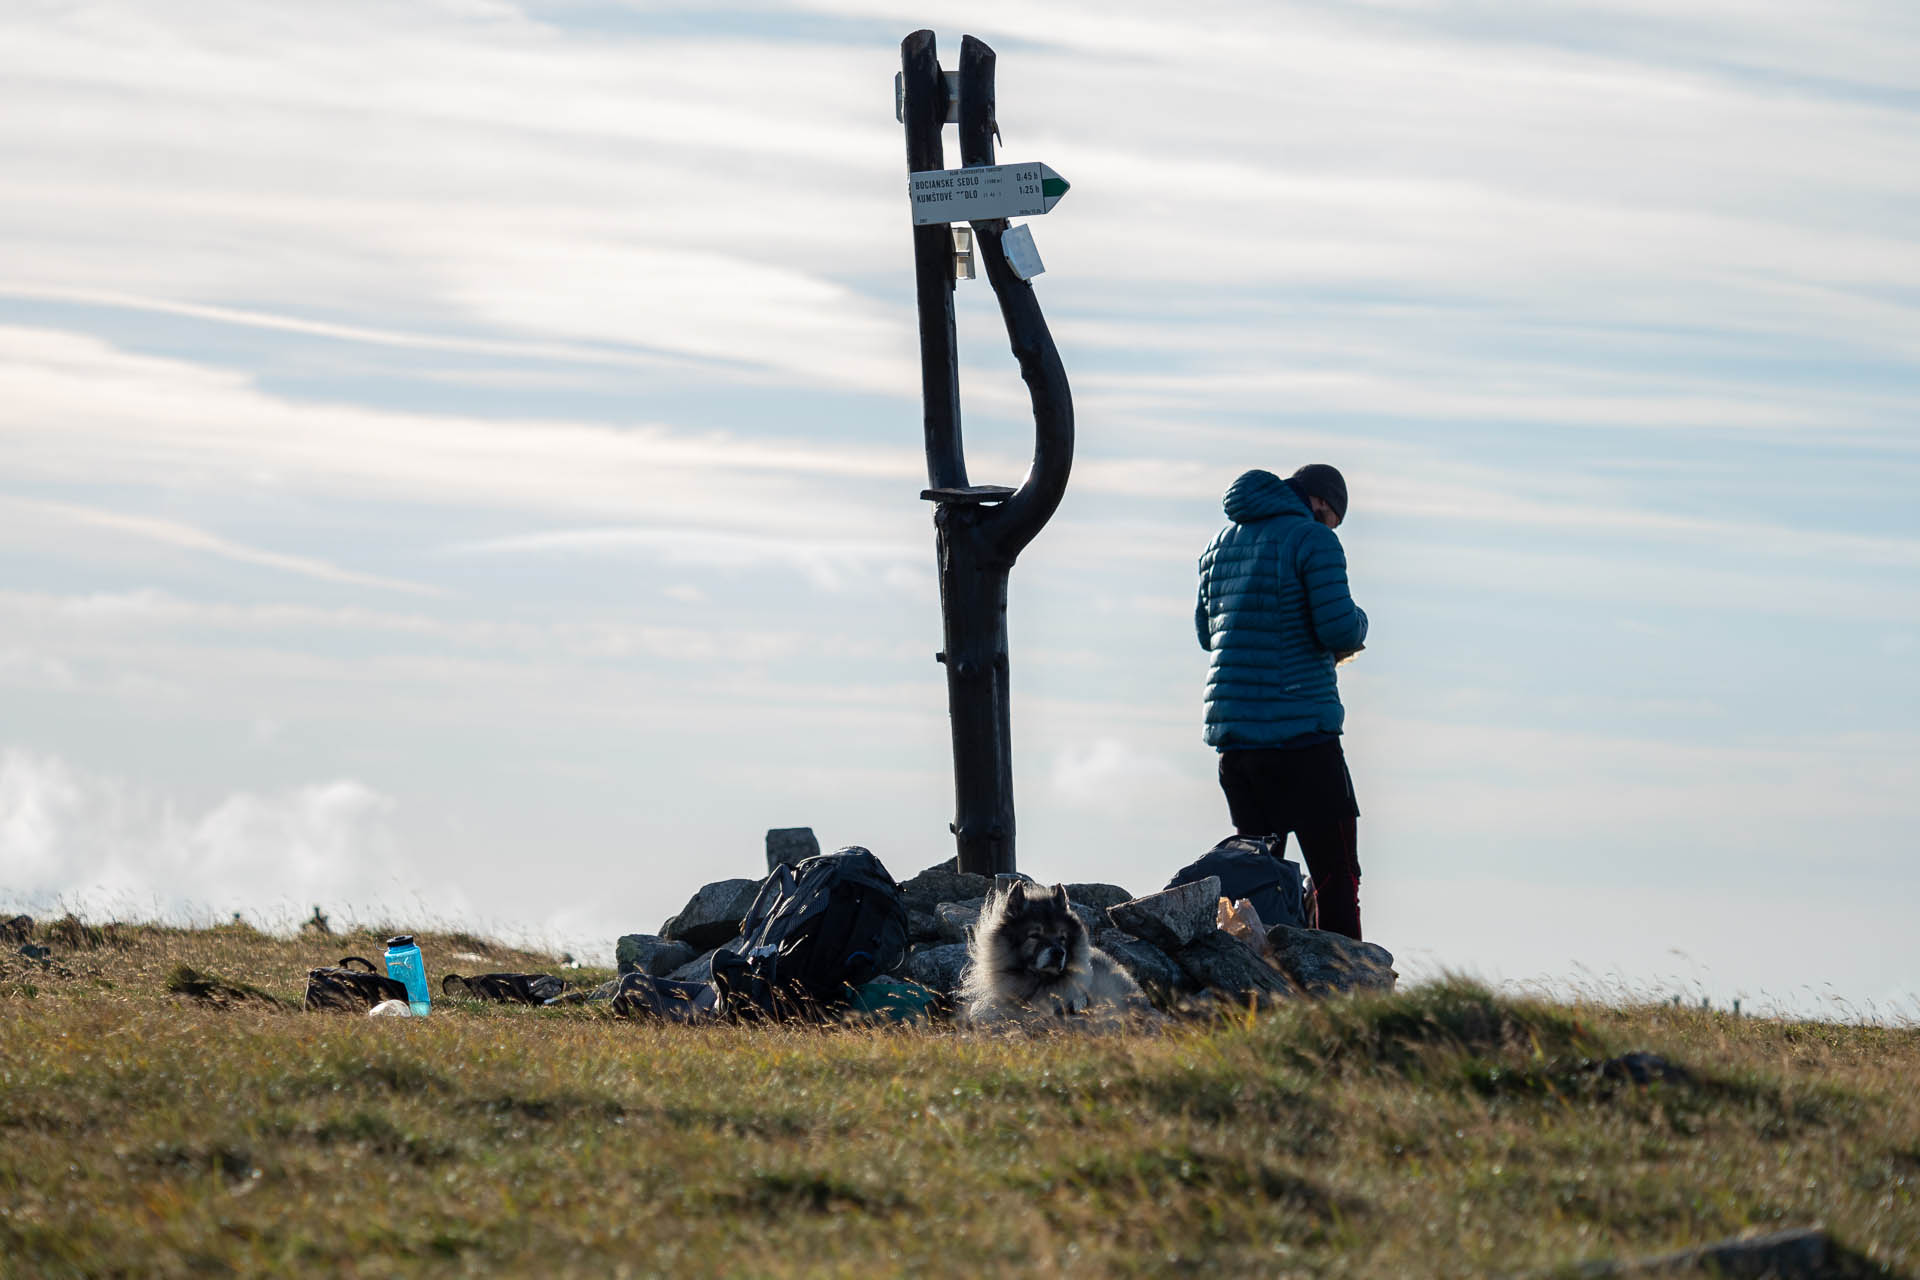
{"x":1243,"y":922}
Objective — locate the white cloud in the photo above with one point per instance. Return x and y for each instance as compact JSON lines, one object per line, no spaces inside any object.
{"x":103,"y":846}
{"x":24,"y":668}
{"x":1109,"y":775}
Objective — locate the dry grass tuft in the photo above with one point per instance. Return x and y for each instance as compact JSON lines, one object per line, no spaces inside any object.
{"x":185,"y":980}
{"x":71,"y":934}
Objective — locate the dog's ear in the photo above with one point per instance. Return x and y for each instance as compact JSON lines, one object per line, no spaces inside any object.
{"x":1016,"y":894}
{"x":1059,"y":894}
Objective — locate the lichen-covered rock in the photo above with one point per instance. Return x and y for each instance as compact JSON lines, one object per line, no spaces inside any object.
{"x":1223,"y":964}
{"x":790,"y":845}
{"x":938,"y":967}
{"x":1097,"y":896}
{"x":1324,"y":964}
{"x":712,"y":915}
{"x":936,"y":885}
{"x":1171,"y":918}
{"x":957,"y":919}
{"x":650,"y":953}
{"x":1155,"y":970}
{"x":922,"y":925}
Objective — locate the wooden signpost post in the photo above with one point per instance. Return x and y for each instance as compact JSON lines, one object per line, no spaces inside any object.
{"x":979,"y":530}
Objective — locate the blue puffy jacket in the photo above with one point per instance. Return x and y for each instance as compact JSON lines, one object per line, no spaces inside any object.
{"x":1274,"y":611}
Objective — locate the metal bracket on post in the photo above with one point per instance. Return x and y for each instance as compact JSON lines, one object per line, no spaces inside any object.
{"x":979,"y":530}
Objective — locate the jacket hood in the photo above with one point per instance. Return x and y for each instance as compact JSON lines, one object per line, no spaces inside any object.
{"x":1260,"y":495}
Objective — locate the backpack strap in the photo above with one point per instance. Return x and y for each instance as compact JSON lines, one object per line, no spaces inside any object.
{"x":347,"y":962}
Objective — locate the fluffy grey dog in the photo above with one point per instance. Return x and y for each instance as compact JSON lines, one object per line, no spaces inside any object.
{"x":1030,"y":958}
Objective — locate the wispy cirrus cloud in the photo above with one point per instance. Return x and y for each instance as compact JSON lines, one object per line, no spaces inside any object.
{"x":18,"y":515}
{"x":76,"y":405}
{"x":826,"y":563}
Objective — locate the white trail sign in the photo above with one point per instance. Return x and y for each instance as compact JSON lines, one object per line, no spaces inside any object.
{"x":983,"y":192}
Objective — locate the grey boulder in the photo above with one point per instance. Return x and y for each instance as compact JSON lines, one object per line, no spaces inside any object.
{"x":938,"y":967}
{"x":1098,"y":896}
{"x":1324,"y":964}
{"x":1171,"y":918}
{"x":1223,"y":964}
{"x":1152,"y":968}
{"x":936,"y":885}
{"x":923,"y":925}
{"x":713,"y":914}
{"x":957,"y":919}
{"x":789,"y":845}
{"x":649,"y":953}
{"x":1092,"y":917}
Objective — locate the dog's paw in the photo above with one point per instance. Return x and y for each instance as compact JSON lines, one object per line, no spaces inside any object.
{"x":1070,"y":1004}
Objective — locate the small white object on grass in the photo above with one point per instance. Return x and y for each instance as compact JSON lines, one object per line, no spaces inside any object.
{"x":390,"y":1009}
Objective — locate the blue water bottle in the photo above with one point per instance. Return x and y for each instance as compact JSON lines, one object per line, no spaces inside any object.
{"x":405,"y":964}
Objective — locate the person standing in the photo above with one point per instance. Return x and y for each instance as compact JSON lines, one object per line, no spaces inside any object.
{"x":1276,"y":614}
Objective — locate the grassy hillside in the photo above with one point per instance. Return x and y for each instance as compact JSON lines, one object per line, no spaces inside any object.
{"x":1441,"y":1132}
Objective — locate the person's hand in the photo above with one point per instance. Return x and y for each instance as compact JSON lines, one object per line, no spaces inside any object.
{"x":1345,"y":656}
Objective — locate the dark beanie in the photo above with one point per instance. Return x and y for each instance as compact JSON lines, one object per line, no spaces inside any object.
{"x":1318,"y":480}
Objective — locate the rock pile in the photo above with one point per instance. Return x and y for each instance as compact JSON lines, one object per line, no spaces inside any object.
{"x":1168,"y":941}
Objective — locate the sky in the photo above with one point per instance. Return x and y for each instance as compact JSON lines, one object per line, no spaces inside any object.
{"x":461,"y":459}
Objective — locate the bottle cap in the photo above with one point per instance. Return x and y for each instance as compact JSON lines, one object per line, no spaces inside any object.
{"x":400,"y":940}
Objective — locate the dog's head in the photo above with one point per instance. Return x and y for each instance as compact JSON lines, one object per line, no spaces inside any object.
{"x":1037,"y":930}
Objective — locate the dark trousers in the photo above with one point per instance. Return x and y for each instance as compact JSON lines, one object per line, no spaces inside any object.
{"x":1306,"y":791}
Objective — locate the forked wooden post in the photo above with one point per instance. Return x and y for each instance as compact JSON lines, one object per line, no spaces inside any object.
{"x":979,"y":530}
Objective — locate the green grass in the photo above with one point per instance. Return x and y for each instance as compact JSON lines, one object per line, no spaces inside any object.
{"x":1445,"y":1131}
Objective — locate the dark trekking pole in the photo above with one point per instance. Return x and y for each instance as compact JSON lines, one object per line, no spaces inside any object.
{"x":979,"y":530}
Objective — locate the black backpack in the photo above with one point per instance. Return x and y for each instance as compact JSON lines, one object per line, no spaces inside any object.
{"x":351,"y":990}
{"x":641,"y":995}
{"x":504,"y":988}
{"x":1254,"y":868}
{"x":832,"y":922}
